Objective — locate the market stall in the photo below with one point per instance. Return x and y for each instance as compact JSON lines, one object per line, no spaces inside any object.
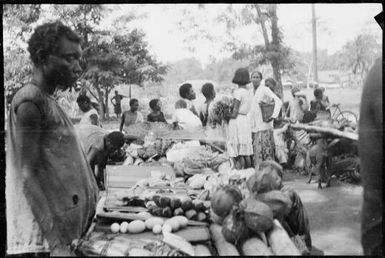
{"x":183,"y":198}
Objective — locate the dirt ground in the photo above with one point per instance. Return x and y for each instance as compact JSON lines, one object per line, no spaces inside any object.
{"x":334,"y":215}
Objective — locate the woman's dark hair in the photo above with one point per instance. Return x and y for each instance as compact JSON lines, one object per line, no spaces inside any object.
{"x":153,"y":103}
{"x":45,"y":40}
{"x":132,"y":101}
{"x":184,"y":90}
{"x":318,"y":92}
{"x":208,"y":90}
{"x":116,"y":138}
{"x":241,"y":76}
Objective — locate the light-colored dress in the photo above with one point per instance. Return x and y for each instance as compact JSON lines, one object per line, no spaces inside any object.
{"x":281,"y":151}
{"x":86,"y":120}
{"x":263,"y":139}
{"x":186,"y":119}
{"x":238,"y":136}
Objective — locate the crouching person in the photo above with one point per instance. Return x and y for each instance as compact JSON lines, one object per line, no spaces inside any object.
{"x":98,"y":145}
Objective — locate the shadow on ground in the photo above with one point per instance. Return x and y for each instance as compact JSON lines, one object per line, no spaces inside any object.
{"x":334,"y":214}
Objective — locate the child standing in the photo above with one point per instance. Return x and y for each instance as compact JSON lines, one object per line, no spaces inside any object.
{"x":239,"y":143}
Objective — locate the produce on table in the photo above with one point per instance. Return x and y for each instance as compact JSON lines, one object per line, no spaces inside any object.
{"x":258,"y":216}
{"x":183,"y":221}
{"x":263,"y":181}
{"x":175,"y":203}
{"x":201,"y":216}
{"x":191,"y":214}
{"x":164,"y":201}
{"x":280,"y":242}
{"x":187,"y":204}
{"x":224,"y":248}
{"x":166,"y":228}
{"x":278,"y":202}
{"x":115,"y":227}
{"x":151,"y":222}
{"x":201,"y":250}
{"x":224,"y":199}
{"x":139,"y":252}
{"x":178,"y":242}
{"x":234,"y":228}
{"x":173,"y":223}
{"x":178,"y":211}
{"x":204,"y":195}
{"x":157,"y":229}
{"x":123,"y":227}
{"x":136,"y":226}
{"x":167,"y":212}
{"x":255,"y":246}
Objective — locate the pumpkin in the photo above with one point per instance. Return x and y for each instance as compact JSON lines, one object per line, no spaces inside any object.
{"x":258,"y":216}
{"x":224,"y":199}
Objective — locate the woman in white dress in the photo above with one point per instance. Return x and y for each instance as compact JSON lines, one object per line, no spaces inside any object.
{"x":239,"y":143}
{"x":262,"y":132}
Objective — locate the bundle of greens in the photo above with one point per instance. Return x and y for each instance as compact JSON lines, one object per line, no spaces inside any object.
{"x":222,"y":109}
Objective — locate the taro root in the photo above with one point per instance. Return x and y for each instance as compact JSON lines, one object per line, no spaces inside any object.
{"x":234,"y":228}
{"x":258,"y":216}
{"x":278,"y":202}
{"x":224,"y":199}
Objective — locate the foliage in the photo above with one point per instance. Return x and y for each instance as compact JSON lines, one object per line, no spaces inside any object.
{"x":359,"y":54}
{"x":17,"y":21}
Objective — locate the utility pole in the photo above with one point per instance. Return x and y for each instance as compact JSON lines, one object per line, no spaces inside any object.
{"x":314,"y":29}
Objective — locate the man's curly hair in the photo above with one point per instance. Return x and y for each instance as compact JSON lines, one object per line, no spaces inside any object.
{"x":45,"y":40}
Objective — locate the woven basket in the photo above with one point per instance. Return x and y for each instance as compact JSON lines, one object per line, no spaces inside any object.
{"x":267,"y":111}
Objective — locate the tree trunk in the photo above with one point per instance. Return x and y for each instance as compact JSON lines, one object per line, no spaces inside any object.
{"x":263,"y":27}
{"x":275,"y":45}
{"x":107,"y":113}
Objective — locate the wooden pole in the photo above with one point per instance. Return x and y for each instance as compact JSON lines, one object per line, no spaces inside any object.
{"x":314,"y":29}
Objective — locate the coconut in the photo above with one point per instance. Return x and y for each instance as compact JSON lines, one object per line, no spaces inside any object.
{"x":224,"y":199}
{"x":234,"y":228}
{"x":258,"y":216}
{"x":278,"y":202}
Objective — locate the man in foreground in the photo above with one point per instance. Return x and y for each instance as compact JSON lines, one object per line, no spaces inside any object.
{"x":51,"y":194}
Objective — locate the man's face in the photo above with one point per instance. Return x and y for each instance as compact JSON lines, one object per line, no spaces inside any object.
{"x":256,"y":79}
{"x":85,"y":106}
{"x":63,"y":68}
{"x":134,"y":106}
{"x":191,"y":94}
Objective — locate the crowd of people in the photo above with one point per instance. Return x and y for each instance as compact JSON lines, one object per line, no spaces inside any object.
{"x":53,"y":167}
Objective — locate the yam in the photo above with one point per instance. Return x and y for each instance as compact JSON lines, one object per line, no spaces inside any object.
{"x":224,"y":248}
{"x":280,"y":241}
{"x":255,"y":246}
{"x":201,"y":250}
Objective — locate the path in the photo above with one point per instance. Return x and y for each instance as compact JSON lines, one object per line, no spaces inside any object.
{"x":334,"y":215}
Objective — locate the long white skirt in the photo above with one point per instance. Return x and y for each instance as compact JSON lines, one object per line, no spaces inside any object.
{"x":238,"y":137}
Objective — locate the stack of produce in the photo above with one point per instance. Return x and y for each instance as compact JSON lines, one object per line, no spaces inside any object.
{"x":99,"y":244}
{"x":200,"y":158}
{"x":142,"y":129}
{"x":222,"y":109}
{"x":257,"y":224}
{"x":164,"y":206}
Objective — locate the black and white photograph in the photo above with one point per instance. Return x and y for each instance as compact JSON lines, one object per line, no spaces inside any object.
{"x":192,"y":129}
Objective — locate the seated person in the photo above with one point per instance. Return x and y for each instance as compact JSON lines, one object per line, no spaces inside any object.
{"x":318,"y":103}
{"x":90,"y":114}
{"x":187,"y":94}
{"x":98,"y":144}
{"x":184,"y":117}
{"x":132,"y":116}
{"x":297,"y":107}
{"x":156,"y":114}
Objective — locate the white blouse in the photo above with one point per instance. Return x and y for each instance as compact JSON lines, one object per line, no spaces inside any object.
{"x":262,"y":94}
